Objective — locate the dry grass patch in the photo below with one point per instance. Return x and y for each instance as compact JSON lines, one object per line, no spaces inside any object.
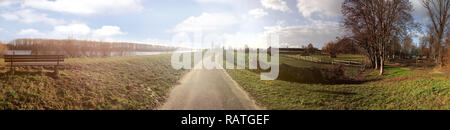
{"x":140,"y":82}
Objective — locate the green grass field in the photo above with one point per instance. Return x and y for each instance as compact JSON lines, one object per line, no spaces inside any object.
{"x":327,"y":59}
{"x":397,"y":89}
{"x":142,"y":82}
{"x":138,"y":82}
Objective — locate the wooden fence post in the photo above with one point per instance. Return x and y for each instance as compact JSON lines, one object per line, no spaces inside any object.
{"x":11,"y":64}
{"x":57,"y":64}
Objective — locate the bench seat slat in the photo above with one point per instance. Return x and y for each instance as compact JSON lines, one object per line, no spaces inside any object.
{"x":35,"y":64}
{"x":34,"y":55}
{"x":34,"y":60}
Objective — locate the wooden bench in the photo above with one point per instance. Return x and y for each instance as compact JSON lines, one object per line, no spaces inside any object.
{"x":34,"y":60}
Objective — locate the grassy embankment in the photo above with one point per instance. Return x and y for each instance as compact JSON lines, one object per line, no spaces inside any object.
{"x":139,"y":82}
{"x":327,"y":59}
{"x":397,"y":89}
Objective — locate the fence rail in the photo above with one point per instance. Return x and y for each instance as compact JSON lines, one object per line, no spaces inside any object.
{"x":328,"y":61}
{"x":349,"y":62}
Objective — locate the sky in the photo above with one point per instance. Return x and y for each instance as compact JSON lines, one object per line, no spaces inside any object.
{"x":187,"y":23}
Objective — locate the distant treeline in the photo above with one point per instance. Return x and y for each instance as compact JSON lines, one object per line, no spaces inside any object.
{"x":3,"y":49}
{"x":79,"y":48}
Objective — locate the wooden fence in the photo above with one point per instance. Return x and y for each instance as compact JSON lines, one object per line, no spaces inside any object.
{"x":328,"y":61}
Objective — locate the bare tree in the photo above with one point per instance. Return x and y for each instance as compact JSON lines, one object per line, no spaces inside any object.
{"x":342,"y":45}
{"x":3,"y":49}
{"x":438,"y":12}
{"x":424,"y":46}
{"x":375,"y":23}
{"x":331,"y":48}
{"x":311,"y":49}
{"x":407,"y":47}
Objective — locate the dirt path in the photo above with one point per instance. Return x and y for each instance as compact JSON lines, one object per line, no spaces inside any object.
{"x":208,"y":90}
{"x":431,"y":70}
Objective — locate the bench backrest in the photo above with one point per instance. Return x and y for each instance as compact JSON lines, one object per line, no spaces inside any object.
{"x":34,"y":58}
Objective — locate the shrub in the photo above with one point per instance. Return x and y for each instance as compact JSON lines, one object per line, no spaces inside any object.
{"x":3,"y":49}
{"x":343,"y":45}
{"x":333,"y":74}
{"x":312,"y":75}
{"x":78,"y":48}
{"x":331,"y":48}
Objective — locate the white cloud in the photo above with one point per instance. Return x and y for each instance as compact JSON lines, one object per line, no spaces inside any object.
{"x":155,"y":41}
{"x":76,"y":30}
{"x":275,"y":5}
{"x":214,"y":1}
{"x":86,"y":7}
{"x":419,"y":10}
{"x":29,"y":32}
{"x":237,"y":3}
{"x":8,"y":2}
{"x":29,"y":16}
{"x":9,"y":16}
{"x":83,"y":31}
{"x":107,"y":31}
{"x":257,"y":13}
{"x":72,"y":30}
{"x":240,"y":39}
{"x":206,"y":22}
{"x":281,"y":22}
{"x":323,"y":8}
{"x":318,"y":33}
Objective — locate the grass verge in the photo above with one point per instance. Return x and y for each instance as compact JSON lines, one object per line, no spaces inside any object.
{"x":397,"y":89}
{"x":139,"y":82}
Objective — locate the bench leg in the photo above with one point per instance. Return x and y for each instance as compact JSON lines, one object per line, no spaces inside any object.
{"x":12,"y":69}
{"x":56,"y":70}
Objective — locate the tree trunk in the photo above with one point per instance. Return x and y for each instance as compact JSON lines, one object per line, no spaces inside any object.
{"x":441,"y":56}
{"x":442,"y":63}
{"x":381,"y":65}
{"x":376,"y":63}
